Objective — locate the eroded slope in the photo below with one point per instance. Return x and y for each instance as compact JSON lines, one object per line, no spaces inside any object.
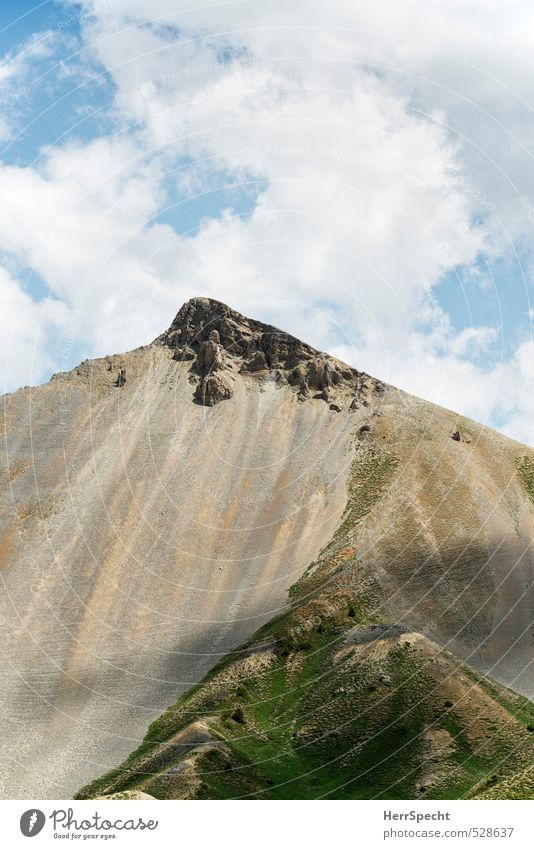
{"x":143,"y":536}
{"x":158,"y":505}
{"x":332,"y":699}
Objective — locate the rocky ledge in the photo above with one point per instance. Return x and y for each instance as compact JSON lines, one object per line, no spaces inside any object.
{"x":220,"y":343}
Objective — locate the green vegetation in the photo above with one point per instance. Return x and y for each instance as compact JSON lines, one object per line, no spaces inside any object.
{"x":321,"y":702}
{"x":525,"y":471}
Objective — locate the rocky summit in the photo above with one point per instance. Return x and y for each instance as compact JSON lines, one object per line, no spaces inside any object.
{"x":219,"y":344}
{"x":234,"y":566}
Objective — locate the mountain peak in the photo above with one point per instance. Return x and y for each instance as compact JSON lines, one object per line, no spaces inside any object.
{"x":221,"y":343}
{"x":196,"y":319}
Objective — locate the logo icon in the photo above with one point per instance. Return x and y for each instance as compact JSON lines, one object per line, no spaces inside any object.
{"x":31,"y":822}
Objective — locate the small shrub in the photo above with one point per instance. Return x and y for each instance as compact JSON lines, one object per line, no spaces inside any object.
{"x":238,"y":715}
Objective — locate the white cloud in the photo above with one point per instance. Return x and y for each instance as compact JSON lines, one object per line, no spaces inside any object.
{"x":26,"y":328}
{"x":16,"y":69}
{"x":391,"y":144}
{"x":79,"y":222}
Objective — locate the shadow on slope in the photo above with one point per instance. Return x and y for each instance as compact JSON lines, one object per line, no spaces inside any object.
{"x":332,"y":700}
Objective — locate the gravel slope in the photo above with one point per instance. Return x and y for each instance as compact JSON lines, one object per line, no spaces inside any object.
{"x":143,"y":536}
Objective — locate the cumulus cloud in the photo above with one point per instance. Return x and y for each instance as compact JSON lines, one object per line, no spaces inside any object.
{"x":386,"y":147}
{"x":27,"y":329}
{"x":16,"y":69}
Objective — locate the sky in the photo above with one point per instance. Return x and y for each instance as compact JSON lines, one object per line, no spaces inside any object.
{"x":358,"y":174}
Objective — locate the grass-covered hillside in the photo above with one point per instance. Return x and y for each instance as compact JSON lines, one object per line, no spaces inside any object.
{"x":333,"y":699}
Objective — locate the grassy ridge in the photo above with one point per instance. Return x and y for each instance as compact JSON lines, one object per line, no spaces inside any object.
{"x":323,"y":703}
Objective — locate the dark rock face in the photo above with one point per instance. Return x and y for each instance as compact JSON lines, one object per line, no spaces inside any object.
{"x":212,"y":355}
{"x":212,"y":389}
{"x":460,"y":437}
{"x":184,"y":353}
{"x":221,"y":344}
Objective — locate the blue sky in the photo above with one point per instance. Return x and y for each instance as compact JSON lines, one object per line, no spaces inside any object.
{"x":48,"y":104}
{"x":362,"y":177}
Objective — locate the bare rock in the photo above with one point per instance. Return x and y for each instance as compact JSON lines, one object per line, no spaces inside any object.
{"x":297,"y":376}
{"x":257,"y":362}
{"x":320,"y":374}
{"x":220,"y":341}
{"x":212,"y":389}
{"x":457,"y":436}
{"x":184,"y":354}
{"x":212,"y":356}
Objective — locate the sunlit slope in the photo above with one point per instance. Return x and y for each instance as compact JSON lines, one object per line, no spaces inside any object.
{"x":157,"y":506}
{"x":143,"y":536}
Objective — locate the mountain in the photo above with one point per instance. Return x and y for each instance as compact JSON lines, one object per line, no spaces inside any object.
{"x":346,"y":568}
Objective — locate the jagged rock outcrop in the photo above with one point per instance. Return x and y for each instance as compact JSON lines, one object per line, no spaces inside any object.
{"x":121,"y":377}
{"x":459,"y":437}
{"x":212,"y":355}
{"x":222,"y":344}
{"x":212,"y":389}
